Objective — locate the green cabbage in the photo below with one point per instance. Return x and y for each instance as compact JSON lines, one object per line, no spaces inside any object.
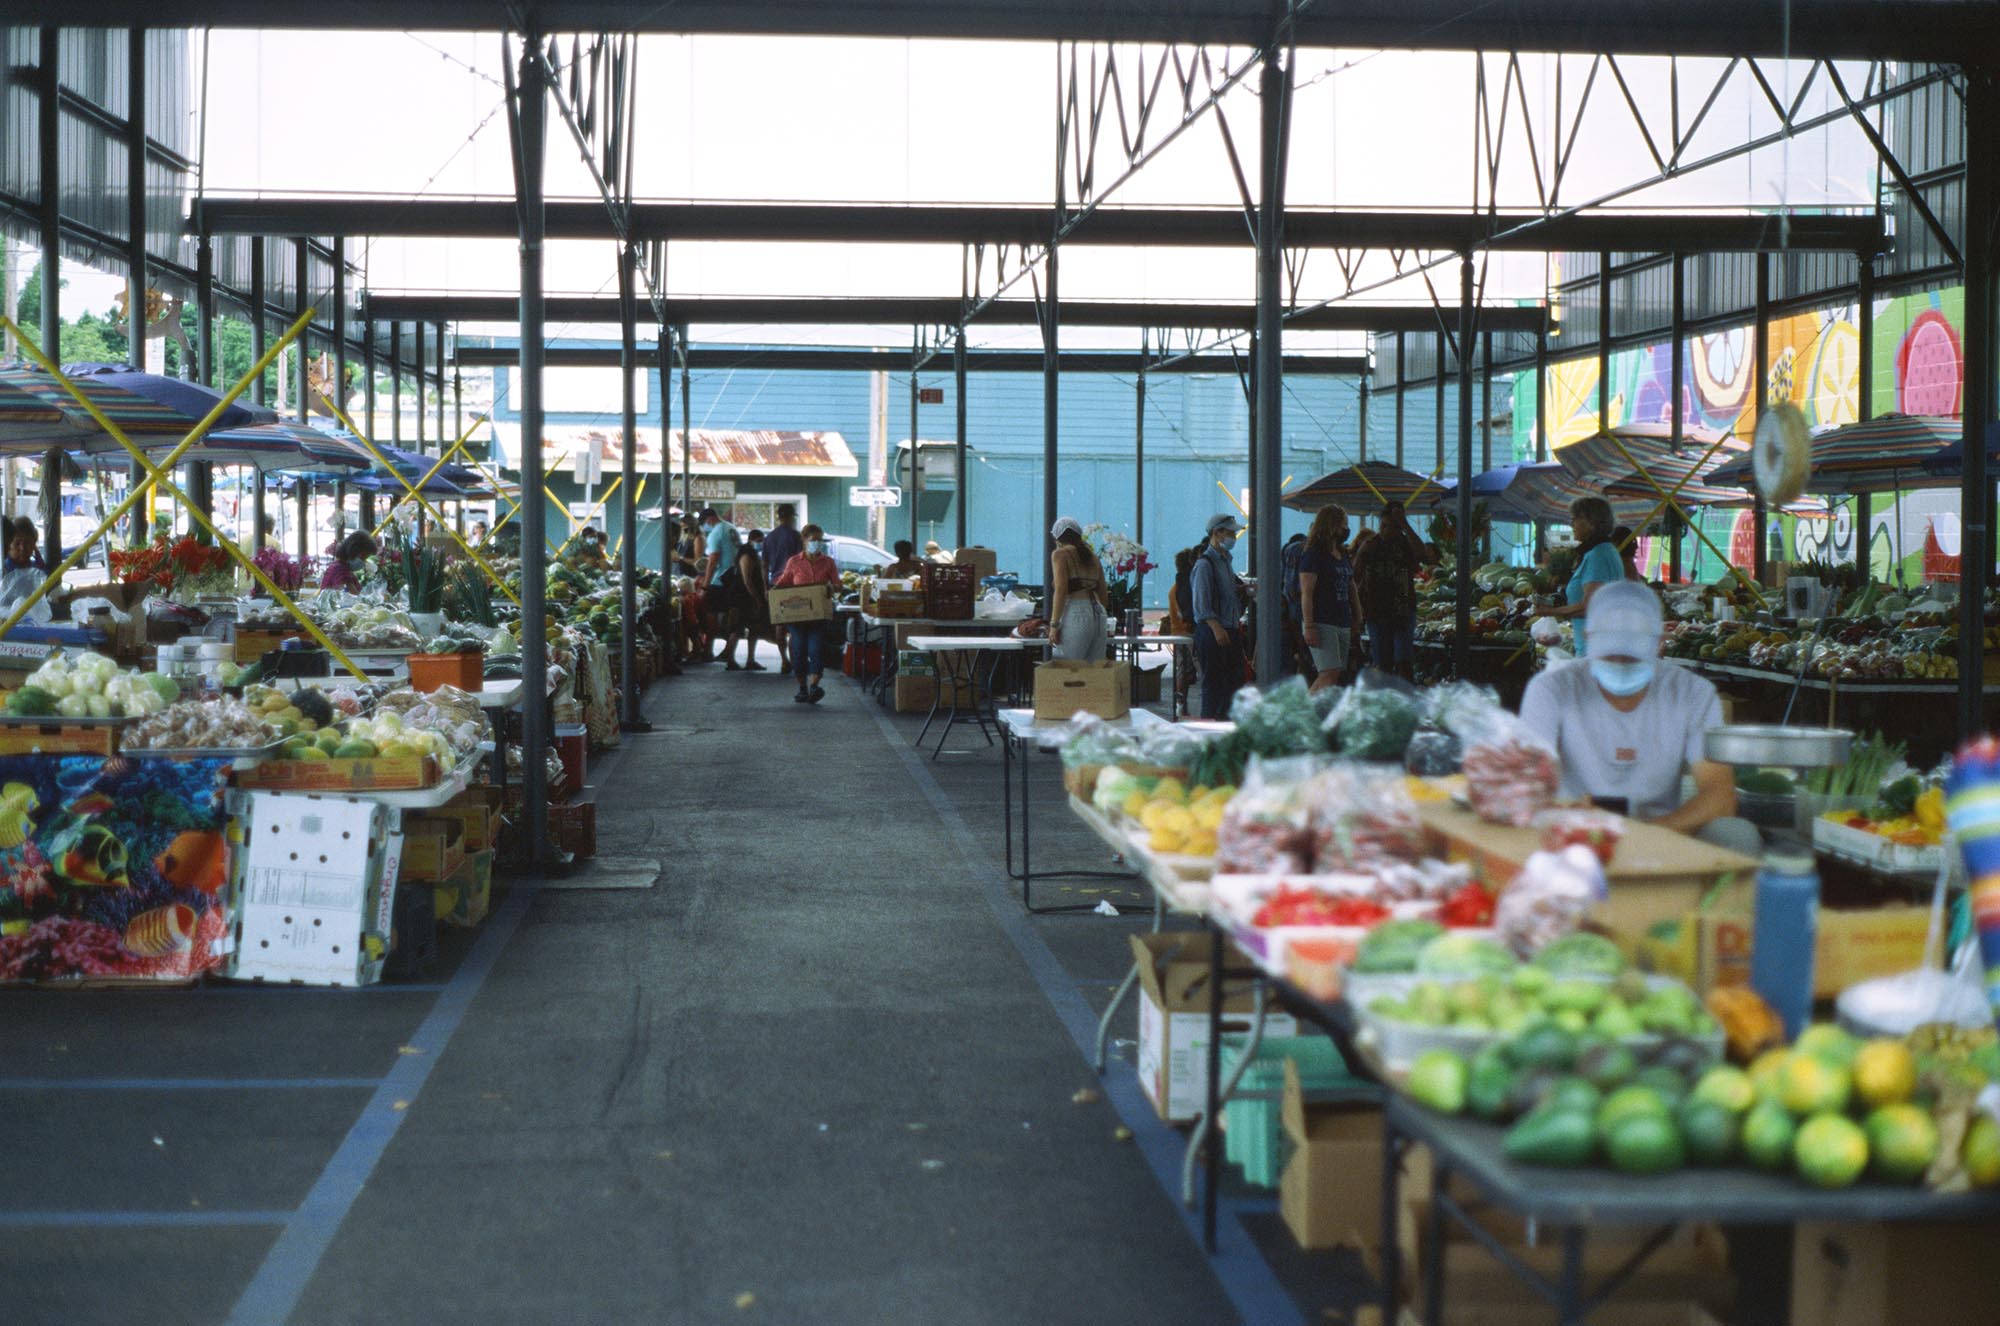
{"x":1581,"y":954}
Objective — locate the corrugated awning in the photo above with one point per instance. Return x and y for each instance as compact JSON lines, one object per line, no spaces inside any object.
{"x":717,"y":451}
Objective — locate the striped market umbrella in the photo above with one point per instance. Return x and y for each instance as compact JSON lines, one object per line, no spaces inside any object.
{"x":1363,"y":489}
{"x":1949,"y":461}
{"x":1545,"y":490}
{"x":283,"y":447}
{"x":146,"y":406}
{"x":1602,"y":458}
{"x":24,"y":413}
{"x":1886,"y":453}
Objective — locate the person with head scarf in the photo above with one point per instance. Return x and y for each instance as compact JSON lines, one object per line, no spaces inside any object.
{"x":1078,"y":597}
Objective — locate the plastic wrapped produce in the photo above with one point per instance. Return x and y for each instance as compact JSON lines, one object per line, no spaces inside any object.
{"x":1361,"y":818}
{"x":1548,"y":899}
{"x":1376,"y":718}
{"x":1266,"y":828}
{"x":1434,"y":754}
{"x":1093,"y":742}
{"x":1598,"y":830}
{"x":1511,"y":778}
{"x":1458,"y":706}
{"x":1282,"y":721}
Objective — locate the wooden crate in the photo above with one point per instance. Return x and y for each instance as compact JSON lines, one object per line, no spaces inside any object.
{"x":54,"y":736}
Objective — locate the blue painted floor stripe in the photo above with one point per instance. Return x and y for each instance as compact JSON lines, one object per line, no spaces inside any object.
{"x":137,"y":1219}
{"x":1239,"y":1267}
{"x":186,"y":1083}
{"x":288,"y":1268}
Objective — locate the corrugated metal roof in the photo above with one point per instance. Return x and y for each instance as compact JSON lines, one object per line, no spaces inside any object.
{"x":716,"y":450}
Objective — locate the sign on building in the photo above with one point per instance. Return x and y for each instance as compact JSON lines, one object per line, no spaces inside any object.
{"x":712,"y":490}
{"x":887,"y":494}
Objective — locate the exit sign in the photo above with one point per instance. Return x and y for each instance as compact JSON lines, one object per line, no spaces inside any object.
{"x":930,"y":395}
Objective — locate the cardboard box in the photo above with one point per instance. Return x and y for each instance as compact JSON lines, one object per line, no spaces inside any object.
{"x":253,"y":645}
{"x":477,"y":810}
{"x":1330,"y":1192}
{"x":1850,"y":945}
{"x":983,"y":561}
{"x":1065,"y":686}
{"x":55,"y":736}
{"x":1892,"y":1275}
{"x":318,"y":889}
{"x":1173,"y":1022}
{"x":395,"y":773}
{"x":916,"y":663}
{"x":466,"y":898}
{"x":1655,"y":875}
{"x":801,"y":603}
{"x":433,"y":849}
{"x":914,"y":694}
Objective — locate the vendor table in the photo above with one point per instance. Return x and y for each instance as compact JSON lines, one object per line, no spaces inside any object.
{"x":496,"y":698}
{"x":878,"y":684}
{"x":1181,"y":647}
{"x":1020,"y":730}
{"x":1572,"y":1201}
{"x":955,"y":659}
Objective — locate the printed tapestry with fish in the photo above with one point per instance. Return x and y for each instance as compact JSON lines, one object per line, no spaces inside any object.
{"x":111,"y":869}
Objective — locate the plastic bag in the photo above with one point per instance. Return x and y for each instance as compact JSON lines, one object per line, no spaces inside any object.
{"x":1545,"y":631}
{"x":1265,"y":830}
{"x":18,"y":585}
{"x":1170,"y":746}
{"x":1434,"y":754}
{"x":1511,"y":773}
{"x":1548,"y":899}
{"x":1362,"y":818}
{"x":1092,"y":741}
{"x":1280,"y":722}
{"x":108,"y":616}
{"x":998,"y":605}
{"x":1376,"y":717}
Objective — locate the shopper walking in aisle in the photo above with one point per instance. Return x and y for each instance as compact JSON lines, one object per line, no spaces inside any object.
{"x":1597,"y":564}
{"x":1297,"y":658}
{"x":1332,"y":607}
{"x":1180,"y":621}
{"x":780,"y":546}
{"x":1387,"y":573}
{"x":810,"y":567}
{"x":751,"y":617}
{"x":1077,"y":596}
{"x":1217,"y":604}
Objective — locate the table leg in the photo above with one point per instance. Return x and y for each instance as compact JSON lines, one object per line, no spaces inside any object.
{"x":1211,"y":1192}
{"x":936,"y":678}
{"x":1007,"y":798}
{"x":1027,"y":833}
{"x":1569,"y":1292}
{"x":1117,"y":1002}
{"x":1391,"y":1232}
{"x":1433,"y":1246}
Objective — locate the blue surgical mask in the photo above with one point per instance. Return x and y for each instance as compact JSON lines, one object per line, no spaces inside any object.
{"x":1622,"y":678}
{"x":1228,"y":542}
{"x":815,"y":547}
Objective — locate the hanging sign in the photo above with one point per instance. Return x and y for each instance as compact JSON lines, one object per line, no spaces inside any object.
{"x":712,"y":490}
{"x":930,"y":395}
{"x":887,"y":494}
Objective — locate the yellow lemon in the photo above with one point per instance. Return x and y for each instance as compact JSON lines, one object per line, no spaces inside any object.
{"x":1885,"y":1072}
{"x":1208,"y":815}
{"x":1179,"y":819}
{"x":1981,"y":1153}
{"x":1764,"y":1071}
{"x":1135,"y":801}
{"x":1200,"y":843}
{"x":1166,"y":840}
{"x":1808,"y":1084}
{"x":1170,"y":789}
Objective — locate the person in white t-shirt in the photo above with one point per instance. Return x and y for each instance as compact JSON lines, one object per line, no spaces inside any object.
{"x":1628,"y":728}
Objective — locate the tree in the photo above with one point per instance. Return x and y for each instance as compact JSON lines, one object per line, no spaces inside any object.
{"x":28,"y":304}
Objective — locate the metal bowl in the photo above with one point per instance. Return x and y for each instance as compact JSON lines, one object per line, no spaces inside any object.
{"x":1758,"y":745}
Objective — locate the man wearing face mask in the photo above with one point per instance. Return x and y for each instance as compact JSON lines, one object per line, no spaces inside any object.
{"x":1218,"y":618}
{"x":1628,"y":728}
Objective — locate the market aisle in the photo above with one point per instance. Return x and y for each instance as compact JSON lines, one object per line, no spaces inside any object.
{"x":807,"y":1066}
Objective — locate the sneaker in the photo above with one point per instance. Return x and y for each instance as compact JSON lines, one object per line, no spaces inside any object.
{"x":816,"y":694}
{"x":802,"y":698}
{"x":731,"y":665}
{"x":755,"y":667}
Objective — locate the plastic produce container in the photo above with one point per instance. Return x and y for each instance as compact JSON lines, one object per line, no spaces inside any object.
{"x":1252,"y":1131}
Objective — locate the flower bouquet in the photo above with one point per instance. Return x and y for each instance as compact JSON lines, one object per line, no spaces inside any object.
{"x":1125,"y":561}
{"x":286,"y":572}
{"x":180,"y":570}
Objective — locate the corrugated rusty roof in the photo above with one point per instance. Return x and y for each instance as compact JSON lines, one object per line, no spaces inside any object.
{"x":716,"y":450}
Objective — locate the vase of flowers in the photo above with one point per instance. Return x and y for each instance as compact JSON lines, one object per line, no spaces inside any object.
{"x":181,"y":570}
{"x":1124,"y":560}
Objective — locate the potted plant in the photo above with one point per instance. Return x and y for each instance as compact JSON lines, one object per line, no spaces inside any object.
{"x":423,"y":565}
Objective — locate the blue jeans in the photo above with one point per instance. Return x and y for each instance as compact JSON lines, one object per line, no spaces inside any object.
{"x":1392,"y":642}
{"x":808,"y":647}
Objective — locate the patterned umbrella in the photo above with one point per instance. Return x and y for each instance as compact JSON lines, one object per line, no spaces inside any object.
{"x":1545,"y":490}
{"x":24,"y":413}
{"x":146,"y":406}
{"x":1363,"y":489}
{"x":1697,"y":492}
{"x":283,"y":447}
{"x":1602,"y":459}
{"x":1949,"y":461}
{"x":1874,"y":455}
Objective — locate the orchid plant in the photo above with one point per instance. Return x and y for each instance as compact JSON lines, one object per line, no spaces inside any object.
{"x":1124,"y":559}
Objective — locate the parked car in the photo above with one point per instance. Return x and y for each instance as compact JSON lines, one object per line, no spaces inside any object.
{"x":856,"y":554}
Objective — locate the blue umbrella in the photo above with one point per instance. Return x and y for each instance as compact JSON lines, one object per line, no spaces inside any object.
{"x":1948,"y":462}
{"x":285,"y":446}
{"x":190,"y":402}
{"x":1490,"y":488}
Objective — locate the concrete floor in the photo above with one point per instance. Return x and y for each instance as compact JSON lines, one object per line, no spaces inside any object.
{"x":821,"y":1071}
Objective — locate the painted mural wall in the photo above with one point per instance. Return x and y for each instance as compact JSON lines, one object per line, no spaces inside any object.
{"x":1815,"y":363}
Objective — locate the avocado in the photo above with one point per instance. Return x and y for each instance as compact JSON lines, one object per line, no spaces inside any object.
{"x":1573,"y":1093}
{"x":1607,"y":1066}
{"x":1709,"y":1131}
{"x":1644,"y":1143}
{"x":1488,"y":1090}
{"x":1665,"y":1080}
{"x":1552,"y":1137}
{"x":354,"y":750}
{"x":1544,"y":1046}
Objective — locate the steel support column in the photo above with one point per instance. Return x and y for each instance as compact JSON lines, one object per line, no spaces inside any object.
{"x":396,"y":382}
{"x":1760,"y":393}
{"x":137,"y":527}
{"x":628,"y":506}
{"x":1361,"y":411}
{"x":1604,"y":340}
{"x":1461,"y":642}
{"x":1402,"y":364}
{"x":417,"y":372}
{"x":687,"y":427}
{"x":302,"y":350}
{"x":1275,"y":97}
{"x":1051,"y":385}
{"x":958,"y":402}
{"x":669,"y":528}
{"x":529,"y":115}
{"x":338,"y":394}
{"x":1542,"y":395}
{"x":1982,"y":201}
{"x":204,"y":313}
{"x":260,"y":516}
{"x":916,"y":452}
{"x":1676,"y":406}
{"x":1139,"y":460}
{"x":444,"y":440}
{"x":366,"y":513}
{"x":49,"y":146}
{"x":1864,"y":405}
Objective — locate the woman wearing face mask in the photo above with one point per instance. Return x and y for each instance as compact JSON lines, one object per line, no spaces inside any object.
{"x":809,"y":567}
{"x":349,"y":561}
{"x":1628,"y":729}
{"x":1077,"y":596}
{"x":1332,"y":607}
{"x":1597,"y":564}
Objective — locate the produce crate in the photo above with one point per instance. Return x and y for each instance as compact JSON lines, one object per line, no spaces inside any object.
{"x":433,"y":848}
{"x":949,"y":591}
{"x":429,"y":672}
{"x":397,"y":773}
{"x":1251,"y":1125}
{"x":253,"y":645}
{"x":58,"y":736}
{"x":573,"y":827}
{"x":465,"y":898}
{"x":895,"y":603}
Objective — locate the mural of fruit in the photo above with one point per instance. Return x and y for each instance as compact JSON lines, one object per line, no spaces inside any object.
{"x":1929,"y":366}
{"x":1722,"y":364}
{"x":1833,"y":385}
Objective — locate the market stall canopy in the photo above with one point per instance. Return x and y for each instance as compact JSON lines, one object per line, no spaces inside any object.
{"x":1630,"y":450}
{"x":1698,"y":492}
{"x":1544,"y":490}
{"x":1948,"y":461}
{"x":1489,"y":487}
{"x":1875,"y":455}
{"x":717,"y":451}
{"x":1363,"y":489}
{"x":283,"y":447}
{"x":155,"y":411}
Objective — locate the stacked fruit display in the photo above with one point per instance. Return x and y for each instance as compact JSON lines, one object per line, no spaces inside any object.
{"x":1177,"y":820}
{"x":1829,"y":1108}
